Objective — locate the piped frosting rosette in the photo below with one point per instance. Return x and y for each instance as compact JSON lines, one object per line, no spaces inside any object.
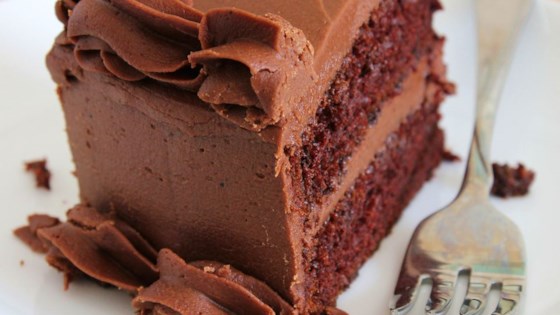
{"x":240,"y":63}
{"x":100,"y":246}
{"x":206,"y":287}
{"x":135,"y":39}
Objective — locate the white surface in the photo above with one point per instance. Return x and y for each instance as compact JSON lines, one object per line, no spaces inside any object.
{"x":31,"y":126}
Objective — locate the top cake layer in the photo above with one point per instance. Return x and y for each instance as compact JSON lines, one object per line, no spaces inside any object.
{"x":259,"y":63}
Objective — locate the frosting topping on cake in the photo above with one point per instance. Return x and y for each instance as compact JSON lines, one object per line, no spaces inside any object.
{"x":104,"y":248}
{"x":228,"y":56}
{"x":206,"y":287}
{"x":135,"y":39}
{"x":251,"y":60}
{"x":221,"y":50}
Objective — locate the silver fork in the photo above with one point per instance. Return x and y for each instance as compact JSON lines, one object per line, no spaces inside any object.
{"x":470,"y":237}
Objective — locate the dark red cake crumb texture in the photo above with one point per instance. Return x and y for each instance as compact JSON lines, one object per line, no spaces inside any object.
{"x":41,"y":172}
{"x":369,"y":210}
{"x":396,"y":37}
{"x":449,"y":156}
{"x":511,"y":181}
{"x":400,"y":34}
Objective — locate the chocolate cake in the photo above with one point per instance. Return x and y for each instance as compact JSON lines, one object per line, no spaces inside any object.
{"x":511,"y":181}
{"x":281,"y":138}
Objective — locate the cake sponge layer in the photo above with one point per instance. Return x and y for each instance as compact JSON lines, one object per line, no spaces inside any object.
{"x":373,"y":204}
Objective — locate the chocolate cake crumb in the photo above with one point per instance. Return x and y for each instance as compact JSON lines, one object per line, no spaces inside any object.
{"x":510,"y":181}
{"x":42,"y":174}
{"x":22,"y":263}
{"x":449,"y":156}
{"x":396,"y":38}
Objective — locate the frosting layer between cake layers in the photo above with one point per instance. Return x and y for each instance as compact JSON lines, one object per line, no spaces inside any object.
{"x":146,"y":85}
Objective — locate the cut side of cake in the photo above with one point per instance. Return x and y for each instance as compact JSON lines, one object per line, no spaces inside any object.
{"x":283,"y":138}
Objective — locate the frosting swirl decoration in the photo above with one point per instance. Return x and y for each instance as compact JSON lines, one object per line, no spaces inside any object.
{"x":104,"y":248}
{"x":206,"y":287}
{"x":250,"y":61}
{"x":135,"y":39}
{"x":229,"y":57}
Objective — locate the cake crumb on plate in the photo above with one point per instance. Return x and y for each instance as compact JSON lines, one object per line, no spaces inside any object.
{"x":41,"y":172}
{"x":450,"y":156}
{"x":510,"y":181}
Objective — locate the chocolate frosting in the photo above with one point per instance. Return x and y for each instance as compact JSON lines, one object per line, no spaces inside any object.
{"x":228,"y":56}
{"x":108,"y":250}
{"x":251,"y":61}
{"x":206,"y":287}
{"x":102,"y":247}
{"x":248,"y":91}
{"x":28,"y":233}
{"x":159,"y":37}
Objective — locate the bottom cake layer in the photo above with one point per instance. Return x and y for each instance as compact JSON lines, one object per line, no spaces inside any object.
{"x":373,"y":204}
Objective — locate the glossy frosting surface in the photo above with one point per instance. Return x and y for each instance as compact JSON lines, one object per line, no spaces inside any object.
{"x":142,"y":81}
{"x":104,"y":248}
{"x":248,"y":54}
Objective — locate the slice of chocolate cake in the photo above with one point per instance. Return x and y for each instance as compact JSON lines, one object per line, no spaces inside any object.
{"x":281,"y":137}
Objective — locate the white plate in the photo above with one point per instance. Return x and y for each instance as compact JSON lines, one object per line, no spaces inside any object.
{"x":31,"y":126}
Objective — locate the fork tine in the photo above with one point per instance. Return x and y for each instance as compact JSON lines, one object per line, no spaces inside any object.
{"x":407,"y":292}
{"x":477,"y":296}
{"x":444,"y":290}
{"x":508,"y":303}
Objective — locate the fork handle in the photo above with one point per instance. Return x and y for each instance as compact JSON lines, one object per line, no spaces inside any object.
{"x":499,"y":23}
